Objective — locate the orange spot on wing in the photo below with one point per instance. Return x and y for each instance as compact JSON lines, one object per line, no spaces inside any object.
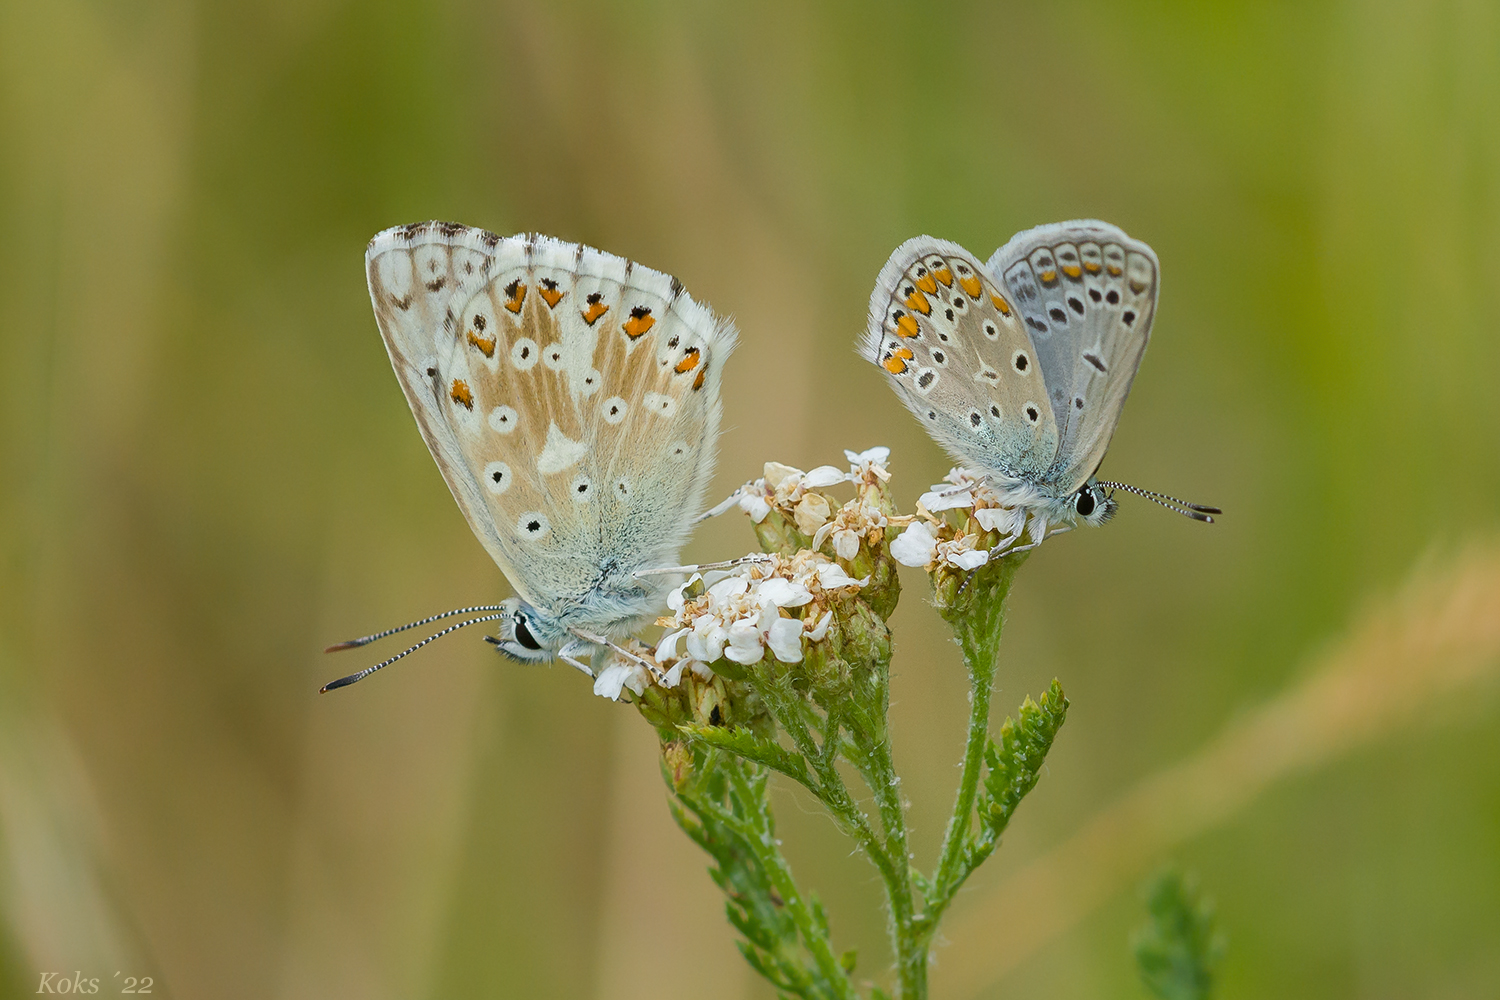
{"x":486,"y":345}
{"x":927,"y":283}
{"x":894,"y":365}
{"x":1072,"y":270}
{"x":1001,"y":304}
{"x":549,"y":293}
{"x":515,"y":294}
{"x":916,"y":300}
{"x":969,"y":283}
{"x":461,"y":395}
{"x":906,"y":326}
{"x":639,"y":322}
{"x":1138,"y":287}
{"x":945,"y":276}
{"x":1114,"y":270}
{"x":689,"y":361}
{"x":1048,"y":277}
{"x":702,"y":374}
{"x":903,"y":352}
{"x":596,"y":309}
{"x":1092,"y":266}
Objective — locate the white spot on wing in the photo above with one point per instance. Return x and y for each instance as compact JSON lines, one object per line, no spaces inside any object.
{"x":497,"y":477}
{"x":524,"y":354}
{"x":662,"y":405}
{"x":559,"y":453}
{"x":614,"y":409}
{"x":503,"y":420}
{"x":532,"y":525}
{"x":394,"y":271}
{"x":431,"y":263}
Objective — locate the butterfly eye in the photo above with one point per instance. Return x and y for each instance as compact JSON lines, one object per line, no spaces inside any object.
{"x":523,"y":634}
{"x":1084,"y":502}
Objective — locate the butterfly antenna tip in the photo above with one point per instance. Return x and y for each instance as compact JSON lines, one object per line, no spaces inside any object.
{"x":367,"y":639}
{"x":346,"y":681}
{"x":1196,"y":511}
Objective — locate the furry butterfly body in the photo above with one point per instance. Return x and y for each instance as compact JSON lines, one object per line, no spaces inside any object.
{"x":571,"y":401}
{"x":1019,"y":367}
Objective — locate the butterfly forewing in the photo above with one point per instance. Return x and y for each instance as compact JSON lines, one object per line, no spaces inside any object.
{"x":1087,"y":293}
{"x":954,"y":347}
{"x":569,"y":397}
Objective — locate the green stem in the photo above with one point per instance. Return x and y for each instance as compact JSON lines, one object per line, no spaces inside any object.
{"x":890,"y":855}
{"x":831,"y":790}
{"x":761,"y":841}
{"x":978,"y":623}
{"x":907,"y":942}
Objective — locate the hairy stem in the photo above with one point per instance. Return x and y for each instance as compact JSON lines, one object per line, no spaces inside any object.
{"x":978,"y":622}
{"x":762,"y":841}
{"x":910,"y":950}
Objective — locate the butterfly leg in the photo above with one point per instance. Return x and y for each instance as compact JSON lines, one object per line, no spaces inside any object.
{"x":1061,"y":529}
{"x":569,"y":655}
{"x":720,"y":507}
{"x":754,"y":557}
{"x":966,"y":487}
{"x":620,"y":651}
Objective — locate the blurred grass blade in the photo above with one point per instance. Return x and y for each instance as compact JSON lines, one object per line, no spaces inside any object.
{"x":1406,"y":662}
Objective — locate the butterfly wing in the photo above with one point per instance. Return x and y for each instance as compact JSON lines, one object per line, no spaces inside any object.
{"x":1087,"y":293}
{"x":569,"y":397}
{"x":954,"y":348}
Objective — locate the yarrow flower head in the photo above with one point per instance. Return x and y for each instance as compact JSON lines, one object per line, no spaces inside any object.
{"x":825,"y":580}
{"x":963,"y":524}
{"x":768,"y":605}
{"x":791,"y":492}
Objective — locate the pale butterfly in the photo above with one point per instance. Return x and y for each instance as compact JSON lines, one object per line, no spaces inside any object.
{"x":571,"y":400}
{"x":1019,"y":367}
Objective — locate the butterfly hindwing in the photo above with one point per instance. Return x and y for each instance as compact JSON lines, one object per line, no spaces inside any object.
{"x":570,"y":398}
{"x":954,"y":347}
{"x":1087,"y":293}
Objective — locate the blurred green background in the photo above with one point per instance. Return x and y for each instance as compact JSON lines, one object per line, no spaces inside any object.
{"x":207,"y":471}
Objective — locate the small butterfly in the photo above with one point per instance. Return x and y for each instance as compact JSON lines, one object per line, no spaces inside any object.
{"x":1020,"y":367}
{"x":571,"y":401}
